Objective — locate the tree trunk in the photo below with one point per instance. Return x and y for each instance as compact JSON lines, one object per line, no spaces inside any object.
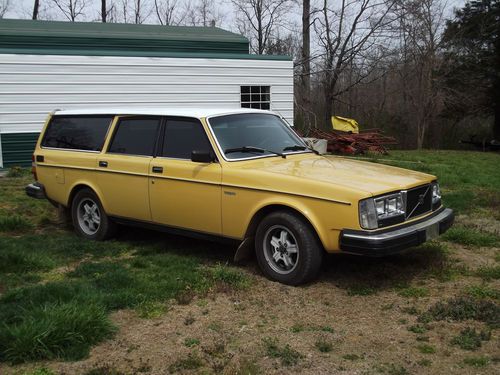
{"x":36,"y":6}
{"x":306,"y":61}
{"x":104,"y":11}
{"x":496,"y":123}
{"x":329,"y":102}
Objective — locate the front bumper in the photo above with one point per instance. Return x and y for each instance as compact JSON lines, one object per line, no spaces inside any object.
{"x":36,"y":190}
{"x":394,"y":240}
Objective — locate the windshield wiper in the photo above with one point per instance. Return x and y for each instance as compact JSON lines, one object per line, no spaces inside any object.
{"x":252,"y":149}
{"x":299,"y":148}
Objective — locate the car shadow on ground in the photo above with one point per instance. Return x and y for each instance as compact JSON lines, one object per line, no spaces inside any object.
{"x":356,"y":274}
{"x":366,"y":275}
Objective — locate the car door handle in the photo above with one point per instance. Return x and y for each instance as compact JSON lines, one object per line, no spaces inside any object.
{"x":157,"y":169}
{"x":103,"y":164}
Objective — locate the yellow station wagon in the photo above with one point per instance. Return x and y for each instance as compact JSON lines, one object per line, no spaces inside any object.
{"x":240,"y":175}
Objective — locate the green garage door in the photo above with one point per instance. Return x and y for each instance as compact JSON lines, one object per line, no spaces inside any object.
{"x":17,"y":148}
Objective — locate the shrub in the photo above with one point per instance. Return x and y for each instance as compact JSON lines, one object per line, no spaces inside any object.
{"x":463,"y":308}
{"x":16,"y":171}
{"x":470,"y":339}
{"x":288,"y":356}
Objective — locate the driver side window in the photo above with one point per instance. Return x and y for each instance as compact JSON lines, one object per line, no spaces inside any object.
{"x":182,"y":136}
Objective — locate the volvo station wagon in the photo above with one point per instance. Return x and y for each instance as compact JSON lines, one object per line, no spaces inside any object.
{"x":239,"y":175}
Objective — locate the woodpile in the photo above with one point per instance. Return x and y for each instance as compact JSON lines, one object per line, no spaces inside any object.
{"x":350,"y":143}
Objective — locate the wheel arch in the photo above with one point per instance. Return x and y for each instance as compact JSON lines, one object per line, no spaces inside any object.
{"x":80,"y":186}
{"x":273,"y":207}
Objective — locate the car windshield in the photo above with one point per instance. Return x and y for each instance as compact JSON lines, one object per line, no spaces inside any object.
{"x":248,"y":135}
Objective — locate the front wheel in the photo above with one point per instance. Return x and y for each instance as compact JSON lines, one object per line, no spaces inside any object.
{"x":89,"y":219}
{"x":287,"y":248}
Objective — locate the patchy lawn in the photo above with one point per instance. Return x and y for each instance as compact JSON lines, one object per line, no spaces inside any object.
{"x":155,"y":304}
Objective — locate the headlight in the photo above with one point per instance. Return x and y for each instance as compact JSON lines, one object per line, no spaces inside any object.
{"x":368,"y":214}
{"x":386,"y":209}
{"x":436,"y":195}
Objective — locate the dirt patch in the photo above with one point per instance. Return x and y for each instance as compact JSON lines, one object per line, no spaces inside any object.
{"x":480,"y":222}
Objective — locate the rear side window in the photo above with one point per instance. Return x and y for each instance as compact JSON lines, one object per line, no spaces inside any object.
{"x":183,"y":136}
{"x":77,"y":133}
{"x":135,"y":136}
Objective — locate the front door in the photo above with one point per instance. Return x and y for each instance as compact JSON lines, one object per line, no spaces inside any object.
{"x":123,"y":169}
{"x":185,"y":194}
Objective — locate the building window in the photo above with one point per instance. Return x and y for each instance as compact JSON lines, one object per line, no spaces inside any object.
{"x":258,"y":97}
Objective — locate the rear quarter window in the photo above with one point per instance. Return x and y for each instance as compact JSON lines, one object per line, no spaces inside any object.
{"x":85,"y":133}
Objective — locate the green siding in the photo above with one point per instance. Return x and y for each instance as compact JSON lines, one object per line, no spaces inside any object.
{"x":17,"y":148}
{"x":90,"y":52}
{"x":41,"y":36}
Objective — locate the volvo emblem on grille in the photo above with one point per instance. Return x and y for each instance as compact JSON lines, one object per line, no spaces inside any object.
{"x":421,"y":198}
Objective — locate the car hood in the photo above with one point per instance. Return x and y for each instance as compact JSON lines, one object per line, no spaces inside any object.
{"x":367,"y":177}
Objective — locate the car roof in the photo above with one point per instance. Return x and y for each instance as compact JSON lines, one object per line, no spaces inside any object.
{"x":160,"y":111}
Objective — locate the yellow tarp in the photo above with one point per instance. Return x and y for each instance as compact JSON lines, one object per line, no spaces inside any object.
{"x":345,"y":124}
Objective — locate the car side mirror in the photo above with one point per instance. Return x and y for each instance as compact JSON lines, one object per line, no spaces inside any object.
{"x":201,"y":156}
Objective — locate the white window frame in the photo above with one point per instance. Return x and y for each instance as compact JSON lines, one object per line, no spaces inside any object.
{"x":260,"y":93}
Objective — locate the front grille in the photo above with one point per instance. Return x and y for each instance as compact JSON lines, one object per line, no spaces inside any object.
{"x":418,"y":201}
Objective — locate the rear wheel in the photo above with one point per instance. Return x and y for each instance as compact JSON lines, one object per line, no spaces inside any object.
{"x":287,"y":248}
{"x":89,"y":219}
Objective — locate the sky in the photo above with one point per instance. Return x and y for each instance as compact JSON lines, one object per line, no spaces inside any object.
{"x":23,"y":9}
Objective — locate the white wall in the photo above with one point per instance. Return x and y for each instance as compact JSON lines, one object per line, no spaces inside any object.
{"x":33,"y":85}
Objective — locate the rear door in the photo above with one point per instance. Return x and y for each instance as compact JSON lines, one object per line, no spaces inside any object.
{"x":183,"y":193}
{"x":123,"y":169}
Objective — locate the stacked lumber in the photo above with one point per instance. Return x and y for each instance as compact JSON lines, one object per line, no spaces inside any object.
{"x":350,"y":143}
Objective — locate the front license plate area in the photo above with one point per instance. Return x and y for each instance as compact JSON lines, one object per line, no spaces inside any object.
{"x":432,"y":232}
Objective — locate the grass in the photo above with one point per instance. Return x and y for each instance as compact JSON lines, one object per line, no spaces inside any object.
{"x":426,"y":349}
{"x":470,"y":339}
{"x":221,"y":273}
{"x":287,"y":355}
{"x":14,"y":223}
{"x":469,"y":180}
{"x":417,"y":328}
{"x":482,"y":291}
{"x":414,"y":292}
{"x":464,"y":308}
{"x":470,"y":237}
{"x":16,"y":172}
{"x":361,"y":290}
{"x":65,"y":330}
{"x":141,"y":278}
{"x":40,"y":371}
{"x":56,"y":291}
{"x":477,"y":362}
{"x":190,"y":342}
{"x":191,"y":362}
{"x":424,"y":362}
{"x":489,"y":273}
{"x":351,"y":357}
{"x":323,"y":345}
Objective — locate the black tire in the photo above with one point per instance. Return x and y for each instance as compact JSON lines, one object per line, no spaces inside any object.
{"x":293,"y":268}
{"x":105,"y":229}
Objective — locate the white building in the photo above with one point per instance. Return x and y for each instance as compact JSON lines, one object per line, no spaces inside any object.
{"x":47,"y":65}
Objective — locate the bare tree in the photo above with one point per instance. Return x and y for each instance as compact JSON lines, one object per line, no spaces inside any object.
{"x":305,"y":61}
{"x":258,"y":19}
{"x":36,"y":9}
{"x":346,"y":34}
{"x":420,"y":24}
{"x":108,"y":11}
{"x":168,"y":13}
{"x":4,"y":7}
{"x":135,"y":11}
{"x":71,"y":8}
{"x":202,"y":13}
